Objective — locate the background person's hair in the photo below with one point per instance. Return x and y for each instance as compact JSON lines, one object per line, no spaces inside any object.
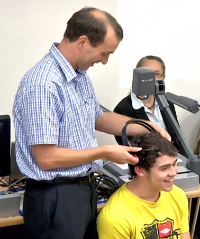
{"x":148,"y":141}
{"x":143,"y":59}
{"x":94,"y":26}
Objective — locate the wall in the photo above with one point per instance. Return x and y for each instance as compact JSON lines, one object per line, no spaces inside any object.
{"x":28,"y":28}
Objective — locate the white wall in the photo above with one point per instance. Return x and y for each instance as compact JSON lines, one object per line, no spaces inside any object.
{"x":28,"y":28}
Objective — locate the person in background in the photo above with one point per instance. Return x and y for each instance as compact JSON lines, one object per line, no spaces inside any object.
{"x":148,"y":206}
{"x":148,"y":109}
{"x":55,"y":115}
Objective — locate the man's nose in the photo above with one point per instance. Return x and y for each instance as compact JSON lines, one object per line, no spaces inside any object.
{"x":104,"y":60}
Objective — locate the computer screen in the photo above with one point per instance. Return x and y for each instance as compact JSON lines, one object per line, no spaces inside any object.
{"x":15,"y":173}
{"x":5,"y":141}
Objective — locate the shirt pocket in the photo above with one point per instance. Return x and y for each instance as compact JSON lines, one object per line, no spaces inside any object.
{"x":89,"y":110}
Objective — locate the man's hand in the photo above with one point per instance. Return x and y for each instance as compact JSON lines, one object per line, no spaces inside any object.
{"x":160,"y":130}
{"x":120,"y":154}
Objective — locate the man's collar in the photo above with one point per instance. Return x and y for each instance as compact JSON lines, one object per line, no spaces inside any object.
{"x":64,"y":64}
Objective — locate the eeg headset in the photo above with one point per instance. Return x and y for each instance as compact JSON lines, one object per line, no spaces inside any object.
{"x":125,"y":140}
{"x":136,"y":143}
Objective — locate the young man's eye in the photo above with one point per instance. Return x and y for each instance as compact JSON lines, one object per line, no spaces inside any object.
{"x":163,"y":169}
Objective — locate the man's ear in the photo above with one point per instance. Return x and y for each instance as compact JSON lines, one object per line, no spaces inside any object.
{"x":139,"y":171}
{"x":82,"y":41}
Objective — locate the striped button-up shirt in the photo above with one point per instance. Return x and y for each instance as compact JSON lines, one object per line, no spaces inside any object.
{"x":55,"y":105}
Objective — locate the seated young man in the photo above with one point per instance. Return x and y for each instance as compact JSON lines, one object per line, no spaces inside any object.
{"x":149,"y":206}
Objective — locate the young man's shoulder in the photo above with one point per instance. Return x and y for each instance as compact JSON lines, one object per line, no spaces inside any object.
{"x":118,"y":203}
{"x":116,"y":214}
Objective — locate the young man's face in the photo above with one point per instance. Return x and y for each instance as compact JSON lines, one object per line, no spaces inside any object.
{"x":93,"y":55}
{"x":162,"y":173}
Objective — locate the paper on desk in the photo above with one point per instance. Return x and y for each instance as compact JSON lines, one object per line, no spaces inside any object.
{"x":122,"y":166}
{"x":179,"y":160}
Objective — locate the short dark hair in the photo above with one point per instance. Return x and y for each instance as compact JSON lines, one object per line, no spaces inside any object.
{"x":150,"y":57}
{"x":85,"y":22}
{"x":151,"y":140}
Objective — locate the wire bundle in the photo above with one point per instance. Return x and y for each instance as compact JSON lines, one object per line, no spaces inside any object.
{"x":105,"y":186}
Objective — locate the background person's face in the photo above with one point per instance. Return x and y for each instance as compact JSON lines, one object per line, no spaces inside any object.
{"x":156,"y":66}
{"x":162,"y":173}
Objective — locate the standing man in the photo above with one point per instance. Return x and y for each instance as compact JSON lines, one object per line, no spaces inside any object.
{"x":149,"y":206}
{"x":55,"y":116}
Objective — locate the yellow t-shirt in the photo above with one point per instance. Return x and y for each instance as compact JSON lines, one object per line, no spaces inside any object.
{"x":125,"y":216}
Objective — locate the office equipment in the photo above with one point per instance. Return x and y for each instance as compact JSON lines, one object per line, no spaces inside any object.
{"x":9,"y":205}
{"x":184,"y":179}
{"x":4,"y":145}
{"x":117,"y":170}
{"x":15,"y":172}
{"x":144,"y":83}
{"x":184,"y":102}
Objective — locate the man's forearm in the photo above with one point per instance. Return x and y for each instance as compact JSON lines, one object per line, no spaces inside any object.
{"x":50,"y":156}
{"x":112,"y":123}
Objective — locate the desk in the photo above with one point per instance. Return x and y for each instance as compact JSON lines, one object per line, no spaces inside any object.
{"x":11,"y":221}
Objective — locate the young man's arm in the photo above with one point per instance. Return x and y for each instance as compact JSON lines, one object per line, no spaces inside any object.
{"x":185,"y":235}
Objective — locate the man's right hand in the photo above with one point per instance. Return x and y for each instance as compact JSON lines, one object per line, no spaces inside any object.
{"x":121,"y":154}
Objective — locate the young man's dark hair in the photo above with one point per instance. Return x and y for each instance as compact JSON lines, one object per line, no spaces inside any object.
{"x":90,"y":23}
{"x":158,"y":144}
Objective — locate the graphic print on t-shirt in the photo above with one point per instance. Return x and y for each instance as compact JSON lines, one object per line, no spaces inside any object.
{"x":160,"y":229}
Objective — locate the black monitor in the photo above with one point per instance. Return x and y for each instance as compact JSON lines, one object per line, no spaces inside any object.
{"x":15,"y":173}
{"x":5,"y":141}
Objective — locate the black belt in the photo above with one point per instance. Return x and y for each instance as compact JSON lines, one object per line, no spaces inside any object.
{"x":71,"y":180}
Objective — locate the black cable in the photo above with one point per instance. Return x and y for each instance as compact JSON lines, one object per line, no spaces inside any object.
{"x":105,"y":186}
